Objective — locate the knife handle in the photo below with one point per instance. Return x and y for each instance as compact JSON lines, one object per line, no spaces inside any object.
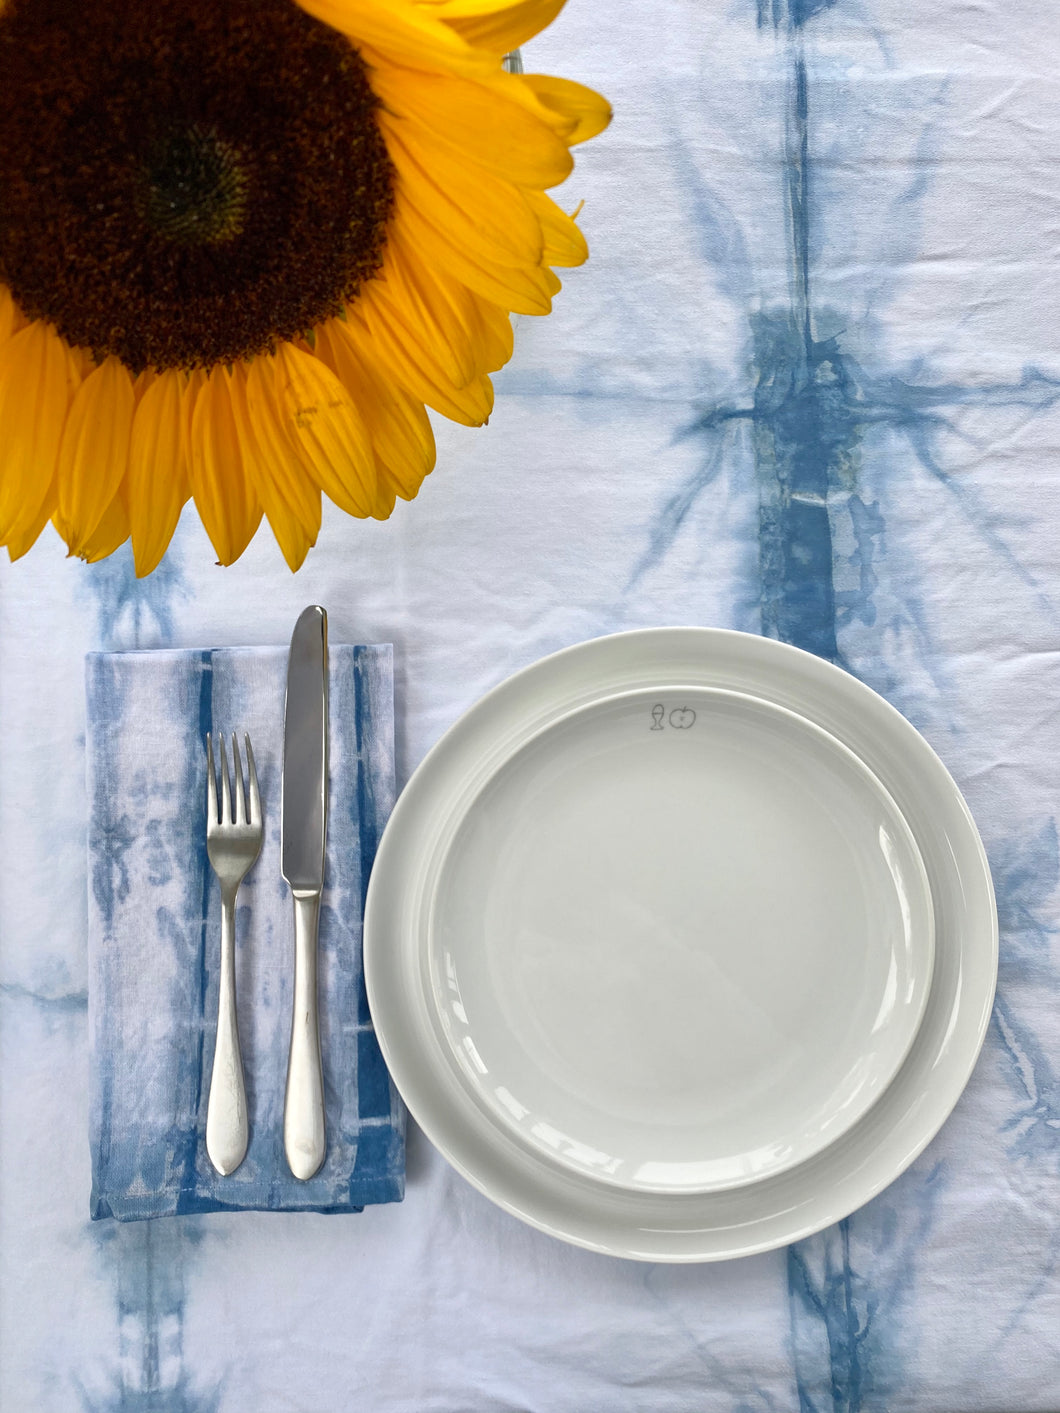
{"x":303,"y":1108}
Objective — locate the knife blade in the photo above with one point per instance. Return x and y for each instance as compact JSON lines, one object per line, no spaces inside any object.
{"x":305,"y":818}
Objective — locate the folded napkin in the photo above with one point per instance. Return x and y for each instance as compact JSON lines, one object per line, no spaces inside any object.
{"x":154,"y":935}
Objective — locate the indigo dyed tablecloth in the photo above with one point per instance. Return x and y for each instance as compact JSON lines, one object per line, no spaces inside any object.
{"x":807,"y":385}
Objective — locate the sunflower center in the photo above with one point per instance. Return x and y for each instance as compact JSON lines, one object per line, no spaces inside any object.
{"x":185,"y":184}
{"x":195,"y":189}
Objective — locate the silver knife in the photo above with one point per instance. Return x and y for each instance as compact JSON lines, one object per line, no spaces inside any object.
{"x":305,"y":821}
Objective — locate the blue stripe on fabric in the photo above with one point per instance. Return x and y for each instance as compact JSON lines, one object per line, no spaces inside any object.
{"x":367,"y":820}
{"x":196,"y":773}
{"x":376,"y":1095}
{"x":101,"y":689}
{"x":373,"y":1081}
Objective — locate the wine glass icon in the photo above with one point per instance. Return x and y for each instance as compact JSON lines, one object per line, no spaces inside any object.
{"x":658,"y":711}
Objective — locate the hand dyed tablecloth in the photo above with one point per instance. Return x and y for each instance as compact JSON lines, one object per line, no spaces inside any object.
{"x":808,"y":385}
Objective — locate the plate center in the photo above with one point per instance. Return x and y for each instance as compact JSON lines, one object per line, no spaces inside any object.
{"x":681,"y":940}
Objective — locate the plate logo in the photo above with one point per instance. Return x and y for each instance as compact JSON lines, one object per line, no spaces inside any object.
{"x":681,"y":718}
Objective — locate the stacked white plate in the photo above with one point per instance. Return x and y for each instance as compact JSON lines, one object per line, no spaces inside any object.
{"x":681,"y":944}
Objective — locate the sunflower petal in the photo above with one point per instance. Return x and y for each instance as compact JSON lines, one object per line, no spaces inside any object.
{"x":19,"y":542}
{"x":157,"y":479}
{"x":274,"y":466}
{"x":481,"y":122}
{"x":38,"y":379}
{"x":479,"y":212}
{"x":498,"y":25}
{"x":523,"y":290}
{"x":441,"y":312}
{"x":226,"y":504}
{"x":381,"y":338}
{"x":112,"y":530}
{"x":319,"y":416}
{"x":94,"y":451}
{"x":564,"y":242}
{"x":403,"y":34}
{"x":410,"y":290}
{"x":493,"y":333}
{"x":398,"y":426}
{"x":578,"y":113}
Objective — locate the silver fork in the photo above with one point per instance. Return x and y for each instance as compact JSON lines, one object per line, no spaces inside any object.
{"x":233,"y":842}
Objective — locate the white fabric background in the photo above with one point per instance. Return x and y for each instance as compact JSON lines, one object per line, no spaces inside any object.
{"x":608,"y":492}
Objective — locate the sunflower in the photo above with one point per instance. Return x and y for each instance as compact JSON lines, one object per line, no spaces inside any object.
{"x":244,"y":244}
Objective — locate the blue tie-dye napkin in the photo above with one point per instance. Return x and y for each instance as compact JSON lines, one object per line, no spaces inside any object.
{"x":154,"y":930}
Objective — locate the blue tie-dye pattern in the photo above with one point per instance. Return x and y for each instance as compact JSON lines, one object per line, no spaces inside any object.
{"x":811,"y":406}
{"x":812,"y":403}
{"x":847,"y":1288}
{"x":1026,"y":875}
{"x":147,"y":1262}
{"x":132,"y":612}
{"x":790,"y":13}
{"x":147,"y":1258}
{"x":60,"y":1003}
{"x":141,"y":1170}
{"x":191,"y":1070}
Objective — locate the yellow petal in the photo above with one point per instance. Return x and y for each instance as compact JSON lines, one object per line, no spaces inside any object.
{"x":22,"y":540}
{"x":38,"y":379}
{"x":410,"y":292}
{"x":440,"y":313}
{"x":579,"y":113}
{"x":297,"y":392}
{"x":480,"y":122}
{"x":94,"y":451}
{"x":479,"y":212}
{"x":493,"y":334}
{"x":524,"y":290}
{"x":157,"y":479}
{"x":274,"y":466}
{"x":189,"y":395}
{"x":564,"y":242}
{"x":111,"y":532}
{"x":381,"y":338}
{"x":228,"y":508}
{"x":398,"y":426}
{"x":402,"y":33}
{"x":498,"y":25}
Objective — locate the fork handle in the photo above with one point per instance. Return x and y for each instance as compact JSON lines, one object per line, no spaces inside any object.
{"x":304,"y":1138}
{"x":226,"y":1110}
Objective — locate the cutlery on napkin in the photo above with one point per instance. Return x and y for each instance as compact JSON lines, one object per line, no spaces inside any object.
{"x":154,"y":928}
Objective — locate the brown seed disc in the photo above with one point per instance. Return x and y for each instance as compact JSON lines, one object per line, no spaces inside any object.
{"x":187,"y":183}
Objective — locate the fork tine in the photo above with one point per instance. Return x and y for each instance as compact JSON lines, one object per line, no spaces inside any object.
{"x":226,"y":789}
{"x":252,"y":776}
{"x":211,"y":783}
{"x":240,"y":797}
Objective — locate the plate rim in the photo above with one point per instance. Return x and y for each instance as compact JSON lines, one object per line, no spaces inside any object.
{"x":462,"y":806}
{"x":699,"y":1240}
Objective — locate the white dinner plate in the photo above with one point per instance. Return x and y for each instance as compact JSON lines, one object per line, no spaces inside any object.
{"x":680,"y":940}
{"x":563,"y":989}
